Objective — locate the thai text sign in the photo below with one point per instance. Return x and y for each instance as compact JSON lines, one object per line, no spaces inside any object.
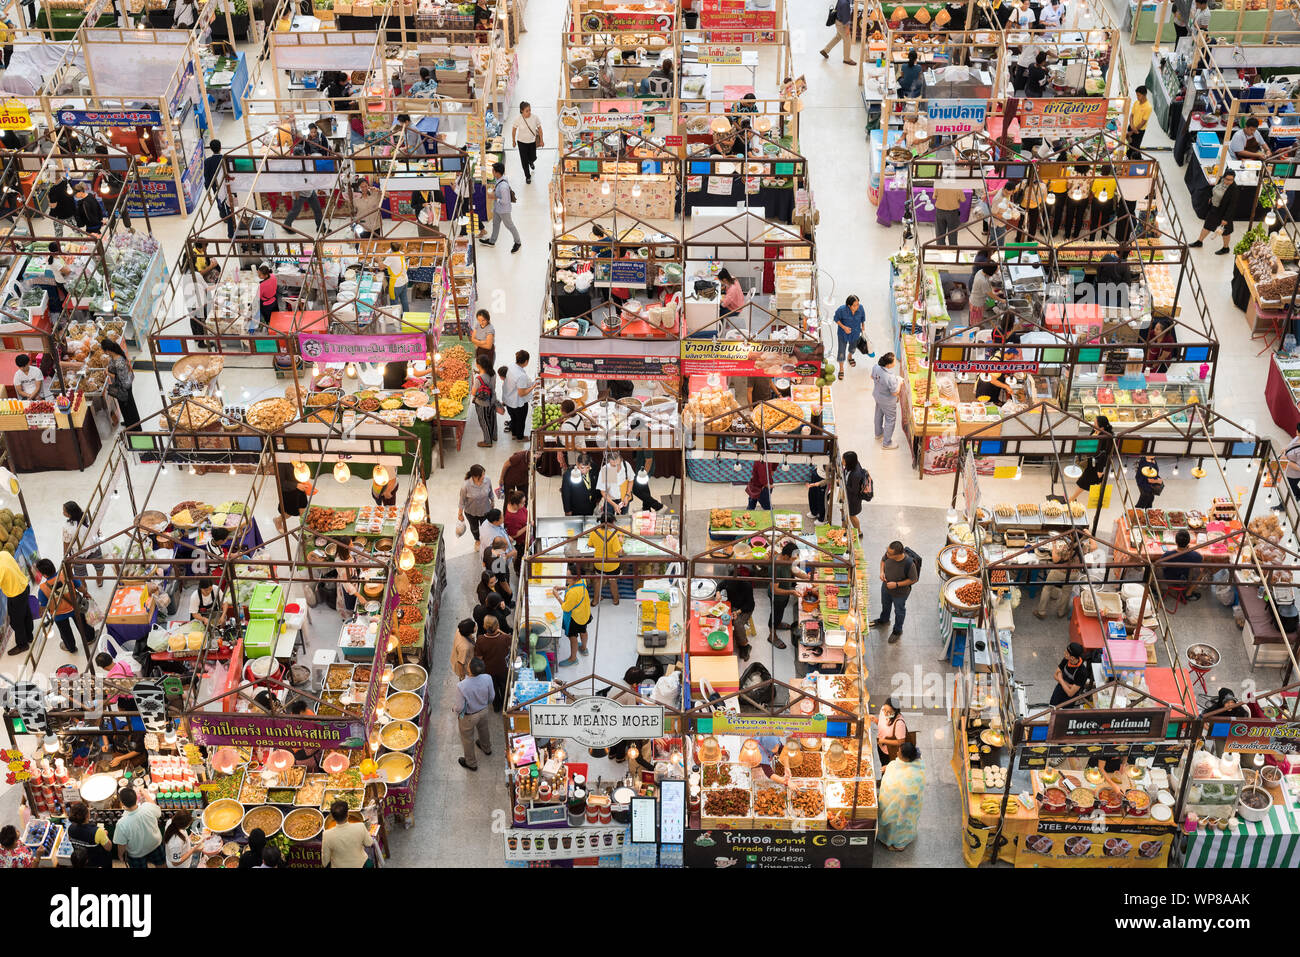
{"x":109,"y":118}
{"x":259,"y":731}
{"x":1062,"y":117}
{"x":1278,"y":737}
{"x":956,"y":116}
{"x":14,"y":115}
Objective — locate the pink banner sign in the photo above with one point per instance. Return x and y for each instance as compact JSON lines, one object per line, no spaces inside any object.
{"x":329,"y":348}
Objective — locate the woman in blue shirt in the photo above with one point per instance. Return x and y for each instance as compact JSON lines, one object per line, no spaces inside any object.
{"x":848,"y":329}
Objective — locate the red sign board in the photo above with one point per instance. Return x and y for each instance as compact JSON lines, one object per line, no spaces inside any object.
{"x":673,"y":140}
{"x":1062,"y":116}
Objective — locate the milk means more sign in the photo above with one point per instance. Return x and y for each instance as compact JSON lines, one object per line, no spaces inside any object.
{"x":596,"y":722}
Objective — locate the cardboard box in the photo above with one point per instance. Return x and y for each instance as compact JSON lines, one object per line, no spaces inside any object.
{"x":131,"y":605}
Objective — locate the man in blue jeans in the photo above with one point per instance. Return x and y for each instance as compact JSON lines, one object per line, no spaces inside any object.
{"x":898,"y":573}
{"x":848,"y":329}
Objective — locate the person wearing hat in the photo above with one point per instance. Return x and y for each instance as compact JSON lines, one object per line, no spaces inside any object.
{"x":1071,"y":676}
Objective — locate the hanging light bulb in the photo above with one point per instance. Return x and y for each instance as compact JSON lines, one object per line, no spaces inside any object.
{"x":416,"y":512}
{"x":1198,"y":472}
{"x":301,"y":472}
{"x":604,"y":188}
{"x":750,"y":754}
{"x":575,"y":476}
{"x":193,"y":470}
{"x":1103,"y":196}
{"x":380,"y":475}
{"x":1051,"y":199}
{"x":636,"y":190}
{"x":341,"y":471}
{"x":1175,"y":470}
{"x":50,"y":743}
{"x":315,"y":370}
{"x":232,"y":468}
{"x":642,"y":477}
{"x":103,"y":187}
{"x":350,"y":370}
{"x":411,"y":536}
{"x":407,"y":560}
{"x":1270,"y":219}
{"x":633,"y":752}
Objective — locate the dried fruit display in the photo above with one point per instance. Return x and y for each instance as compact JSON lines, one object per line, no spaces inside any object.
{"x":424,"y":554}
{"x":970,"y":593}
{"x":966,"y":560}
{"x":428,"y":532}
{"x":407,"y":635}
{"x":720,"y":518}
{"x":726,"y":802}
{"x":368,"y":405}
{"x":270,"y":415}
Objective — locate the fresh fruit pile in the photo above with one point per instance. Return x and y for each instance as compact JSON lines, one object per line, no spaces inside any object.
{"x":457,"y":390}
{"x":546,"y":416}
{"x":450,"y":408}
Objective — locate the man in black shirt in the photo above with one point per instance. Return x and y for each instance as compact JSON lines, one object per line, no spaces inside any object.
{"x":89,"y":216}
{"x":578,"y":497}
{"x":1071,"y":675}
{"x":212,"y":167}
{"x":740,"y":594}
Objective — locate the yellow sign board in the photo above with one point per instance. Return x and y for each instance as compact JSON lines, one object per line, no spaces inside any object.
{"x":14,"y":115}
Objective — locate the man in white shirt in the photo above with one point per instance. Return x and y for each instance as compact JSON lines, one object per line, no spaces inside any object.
{"x":27,"y":378}
{"x":1291,"y":464}
{"x":1051,"y":15}
{"x":617,"y":484}
{"x":516,"y":391}
{"x":526,"y":133}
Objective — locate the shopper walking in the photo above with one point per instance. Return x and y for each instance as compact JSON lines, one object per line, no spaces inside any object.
{"x":886,"y":385}
{"x":947,"y":214}
{"x":121,"y":382}
{"x":575,"y":602}
{"x":1223,"y":199}
{"x":526,"y":135}
{"x":137,"y":832}
{"x":502,"y":203}
{"x":858,"y":487}
{"x":306,"y":196}
{"x":1096,"y":465}
{"x":891,"y":731}
{"x":474,"y":697}
{"x":367,"y":217}
{"x":462,"y":648}
{"x":1149,"y":485}
{"x":66,"y":607}
{"x":492,"y":647}
{"x":848,"y":330}
{"x":514,"y":473}
{"x":740,"y":596}
{"x":515,"y":518}
{"x":484,"y":395}
{"x":759,"y":488}
{"x":484,"y":336}
{"x":90,"y":215}
{"x":899,"y":800}
{"x":476,"y":498}
{"x":899,"y":571}
{"x":516,"y":392}
{"x":843,"y":32}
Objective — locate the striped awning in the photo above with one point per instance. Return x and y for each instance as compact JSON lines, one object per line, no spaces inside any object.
{"x":1272,"y":842}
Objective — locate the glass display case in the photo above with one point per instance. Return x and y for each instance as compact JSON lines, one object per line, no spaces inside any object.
{"x":1130,"y":400}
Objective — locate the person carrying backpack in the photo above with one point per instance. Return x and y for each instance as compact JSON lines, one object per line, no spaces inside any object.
{"x":900,"y":568}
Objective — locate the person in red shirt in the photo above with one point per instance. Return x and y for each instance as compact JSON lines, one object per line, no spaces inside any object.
{"x":759,"y":488}
{"x":268,"y":291}
{"x":515,"y":518}
{"x":514,"y":473}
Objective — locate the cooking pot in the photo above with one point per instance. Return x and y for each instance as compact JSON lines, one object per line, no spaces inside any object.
{"x":97,"y":790}
{"x":1139,"y":802}
{"x":1053,"y":800}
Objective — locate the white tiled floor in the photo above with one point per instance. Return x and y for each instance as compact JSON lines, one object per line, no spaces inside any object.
{"x":851,"y":254}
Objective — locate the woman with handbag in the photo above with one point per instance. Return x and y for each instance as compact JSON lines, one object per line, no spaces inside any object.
{"x":526,"y":134}
{"x":891,"y":731}
{"x":1096,"y":465}
{"x":484,"y":395}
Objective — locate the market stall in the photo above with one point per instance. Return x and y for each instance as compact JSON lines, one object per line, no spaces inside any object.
{"x":1236,"y":78}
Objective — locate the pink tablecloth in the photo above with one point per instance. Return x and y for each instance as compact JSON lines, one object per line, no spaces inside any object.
{"x":1281,"y":404}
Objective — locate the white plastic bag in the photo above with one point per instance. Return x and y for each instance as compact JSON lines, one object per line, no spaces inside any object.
{"x":460,"y":529}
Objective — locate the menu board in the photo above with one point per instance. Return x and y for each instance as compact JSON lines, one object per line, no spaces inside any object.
{"x":672,"y":812}
{"x":1037,"y":757}
{"x":778,"y":849}
{"x":1126,"y":723}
